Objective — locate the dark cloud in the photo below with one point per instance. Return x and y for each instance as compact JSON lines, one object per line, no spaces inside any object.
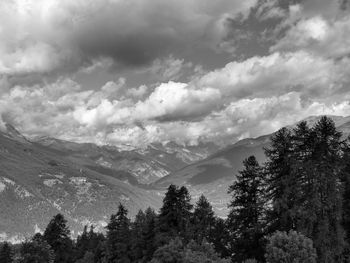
{"x":128,"y":51}
{"x":63,"y":36}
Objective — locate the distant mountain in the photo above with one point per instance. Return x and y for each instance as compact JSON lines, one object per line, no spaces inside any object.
{"x":85,"y":182}
{"x":45,"y":176}
{"x":146,"y":165}
{"x":37,"y":182}
{"x":214,"y":174}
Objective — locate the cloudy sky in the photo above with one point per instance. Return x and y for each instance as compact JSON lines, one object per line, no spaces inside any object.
{"x":142,"y":71}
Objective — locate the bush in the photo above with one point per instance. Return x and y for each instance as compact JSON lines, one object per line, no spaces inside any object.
{"x":176,"y":252}
{"x":290,"y":248}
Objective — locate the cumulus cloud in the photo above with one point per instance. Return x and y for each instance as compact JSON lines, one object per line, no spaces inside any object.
{"x":304,"y":73}
{"x":247,"y":98}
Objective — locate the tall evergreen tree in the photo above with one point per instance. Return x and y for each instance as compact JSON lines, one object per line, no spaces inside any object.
{"x":281,"y":181}
{"x":89,"y":241}
{"x":119,"y":237}
{"x":203,"y":220}
{"x":220,"y":237}
{"x":309,"y":162}
{"x":174,"y":217}
{"x":143,"y":235}
{"x":149,"y":234}
{"x":245,"y":219}
{"x":137,"y":228}
{"x":6,"y":253}
{"x":36,"y":250}
{"x":323,"y":192}
{"x":57,"y":235}
{"x":82,"y":244}
{"x":346,"y":196}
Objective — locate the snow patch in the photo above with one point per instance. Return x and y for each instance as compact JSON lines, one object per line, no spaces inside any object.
{"x":58,"y":176}
{"x":37,"y":229}
{"x":22,"y":192}
{"x":104,"y":163}
{"x":124,"y":198}
{"x":51,"y":182}
{"x":16,"y":239}
{"x":8,"y":181}
{"x":2,"y":187}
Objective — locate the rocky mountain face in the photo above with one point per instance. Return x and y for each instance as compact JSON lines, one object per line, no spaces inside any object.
{"x":45,"y":176}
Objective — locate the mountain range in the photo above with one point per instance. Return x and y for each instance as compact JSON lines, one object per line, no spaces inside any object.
{"x":45,"y":176}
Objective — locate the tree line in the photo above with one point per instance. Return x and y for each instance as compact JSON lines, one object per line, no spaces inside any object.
{"x":293,"y":208}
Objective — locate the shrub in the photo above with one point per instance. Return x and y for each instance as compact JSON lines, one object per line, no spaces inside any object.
{"x":290,"y":248}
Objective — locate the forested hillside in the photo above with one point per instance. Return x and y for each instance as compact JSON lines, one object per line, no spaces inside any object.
{"x":295,"y":206}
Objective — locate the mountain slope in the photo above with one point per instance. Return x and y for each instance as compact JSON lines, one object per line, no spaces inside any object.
{"x":37,"y":182}
{"x":85,"y":182}
{"x":144,"y":165}
{"x":214,"y":174}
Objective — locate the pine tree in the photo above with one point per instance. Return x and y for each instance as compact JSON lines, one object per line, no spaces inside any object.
{"x":221,"y":237}
{"x":281,"y":181}
{"x":57,"y":235}
{"x":36,"y":250}
{"x":309,"y":162}
{"x":6,"y":254}
{"x":174,"y":217}
{"x":149,"y":234}
{"x":137,"y":242}
{"x":82,"y":244}
{"x":346,"y":196}
{"x":119,"y":237}
{"x":323,"y":193}
{"x":203,"y":220}
{"x":143,"y":232}
{"x":245,"y":219}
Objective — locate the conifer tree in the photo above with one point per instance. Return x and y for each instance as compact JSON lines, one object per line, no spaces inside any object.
{"x":281,"y":181}
{"x":174,"y":217}
{"x":221,"y":237}
{"x":36,"y":250}
{"x":82,"y":244}
{"x":137,"y":227}
{"x":245,"y":219}
{"x":203,"y":220}
{"x":148,"y":235}
{"x":323,"y":192}
{"x":346,"y":197}
{"x":309,"y":162}
{"x":6,"y":254}
{"x":57,"y":235}
{"x":119,"y":237}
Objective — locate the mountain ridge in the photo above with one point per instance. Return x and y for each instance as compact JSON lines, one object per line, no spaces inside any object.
{"x":86,"y":182}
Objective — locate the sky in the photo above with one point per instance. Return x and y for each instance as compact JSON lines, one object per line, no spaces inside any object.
{"x":150,"y":71}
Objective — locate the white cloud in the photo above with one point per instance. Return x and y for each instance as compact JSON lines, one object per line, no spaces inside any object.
{"x":319,"y":36}
{"x":247,"y":98}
